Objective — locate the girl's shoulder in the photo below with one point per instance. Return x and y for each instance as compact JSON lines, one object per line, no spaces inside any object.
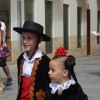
{"x":74,"y":92}
{"x":77,"y":91}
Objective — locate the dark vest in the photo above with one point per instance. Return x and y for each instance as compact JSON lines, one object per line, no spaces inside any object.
{"x":39,"y":83}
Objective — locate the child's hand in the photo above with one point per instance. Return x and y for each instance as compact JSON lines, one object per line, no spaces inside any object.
{"x":98,"y":35}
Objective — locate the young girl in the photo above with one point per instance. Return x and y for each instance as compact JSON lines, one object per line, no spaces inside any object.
{"x":33,"y":64}
{"x":4,"y":52}
{"x":64,"y":85}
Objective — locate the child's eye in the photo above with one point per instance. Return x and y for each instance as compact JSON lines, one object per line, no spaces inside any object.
{"x":23,"y":38}
{"x":29,"y":38}
{"x":53,"y":70}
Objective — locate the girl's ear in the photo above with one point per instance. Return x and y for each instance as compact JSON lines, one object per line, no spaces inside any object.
{"x":66,"y":72}
{"x":40,"y":39}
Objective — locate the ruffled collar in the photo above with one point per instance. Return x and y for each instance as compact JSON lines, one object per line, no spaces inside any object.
{"x":56,"y":86}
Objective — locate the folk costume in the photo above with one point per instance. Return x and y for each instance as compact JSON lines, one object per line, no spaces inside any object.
{"x":33,"y":79}
{"x":67,"y":91}
{"x":4,"y":51}
{"x":71,"y":89}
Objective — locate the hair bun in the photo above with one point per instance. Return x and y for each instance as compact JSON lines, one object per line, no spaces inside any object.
{"x":70,"y":62}
{"x":72,"y":57}
{"x":69,"y":65}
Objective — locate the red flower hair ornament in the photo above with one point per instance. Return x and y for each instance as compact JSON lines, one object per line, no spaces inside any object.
{"x":61,"y":51}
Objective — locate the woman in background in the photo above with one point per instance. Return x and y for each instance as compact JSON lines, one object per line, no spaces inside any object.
{"x":4,"y":52}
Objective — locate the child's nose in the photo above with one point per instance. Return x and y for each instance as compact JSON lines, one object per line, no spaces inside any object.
{"x":24,"y":40}
{"x":49,"y":72}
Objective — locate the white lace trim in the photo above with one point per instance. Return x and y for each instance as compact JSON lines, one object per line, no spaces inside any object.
{"x":57,"y":86}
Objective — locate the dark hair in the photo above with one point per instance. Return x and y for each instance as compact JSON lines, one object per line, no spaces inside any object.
{"x":69,"y":64}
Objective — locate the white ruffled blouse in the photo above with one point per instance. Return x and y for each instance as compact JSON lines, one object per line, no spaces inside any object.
{"x":28,"y":64}
{"x":57,"y":86}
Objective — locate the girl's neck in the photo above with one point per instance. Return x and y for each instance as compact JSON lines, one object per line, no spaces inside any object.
{"x":63,"y":81}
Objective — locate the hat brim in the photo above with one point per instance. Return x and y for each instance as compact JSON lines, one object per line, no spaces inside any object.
{"x":20,"y":30}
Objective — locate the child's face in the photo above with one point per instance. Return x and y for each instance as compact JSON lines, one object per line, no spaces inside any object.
{"x":57,"y":73}
{"x":29,"y":41}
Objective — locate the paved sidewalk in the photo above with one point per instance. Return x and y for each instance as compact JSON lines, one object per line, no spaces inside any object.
{"x":10,"y":92}
{"x":87,"y":71}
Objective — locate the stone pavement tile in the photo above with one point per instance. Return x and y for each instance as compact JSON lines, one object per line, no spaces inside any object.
{"x":88,"y":73}
{"x":10,"y":92}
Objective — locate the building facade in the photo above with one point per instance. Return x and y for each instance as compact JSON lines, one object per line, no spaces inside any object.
{"x":68,"y":22}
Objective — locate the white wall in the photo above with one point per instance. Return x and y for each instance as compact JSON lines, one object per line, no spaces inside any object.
{"x":57,"y":18}
{"x":83,"y":4}
{"x":72,"y":16}
{"x":93,"y":11}
{"x":40,"y":12}
{"x":14,"y":35}
{"x":93,"y":19}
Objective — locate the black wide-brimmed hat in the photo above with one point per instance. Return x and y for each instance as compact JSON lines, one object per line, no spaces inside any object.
{"x":32,"y":27}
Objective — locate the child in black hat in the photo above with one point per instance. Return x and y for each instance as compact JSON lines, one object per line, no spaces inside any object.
{"x":64,"y":84}
{"x":33,"y":64}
